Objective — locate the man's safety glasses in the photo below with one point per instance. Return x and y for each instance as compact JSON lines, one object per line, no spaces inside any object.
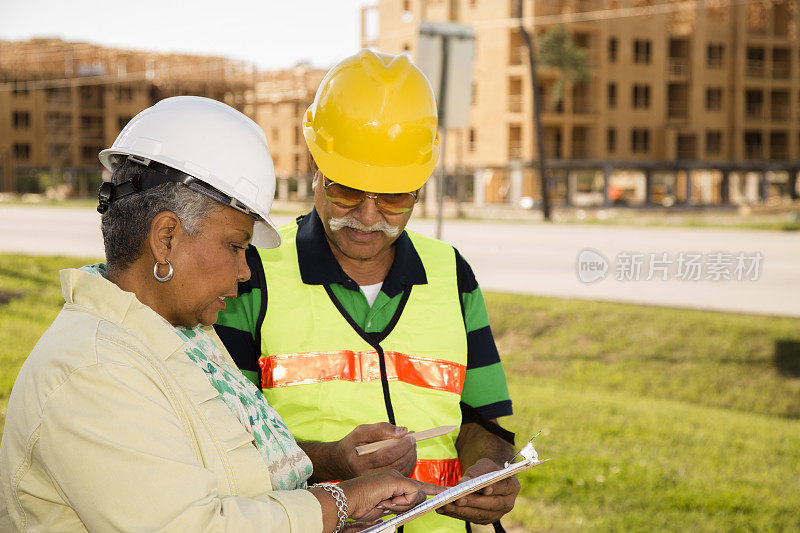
{"x":349,"y":198}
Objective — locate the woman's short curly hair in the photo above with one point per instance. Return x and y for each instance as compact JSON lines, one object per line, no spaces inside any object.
{"x":127,"y":221}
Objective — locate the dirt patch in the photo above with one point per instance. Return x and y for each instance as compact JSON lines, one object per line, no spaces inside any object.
{"x":7,"y":296}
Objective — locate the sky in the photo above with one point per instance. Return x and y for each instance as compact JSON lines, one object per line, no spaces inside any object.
{"x":269,"y":33}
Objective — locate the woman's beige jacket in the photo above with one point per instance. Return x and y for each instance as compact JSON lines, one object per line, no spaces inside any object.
{"x":111,"y":427}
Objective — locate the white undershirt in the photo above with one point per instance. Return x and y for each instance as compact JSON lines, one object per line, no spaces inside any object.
{"x":371,"y":291}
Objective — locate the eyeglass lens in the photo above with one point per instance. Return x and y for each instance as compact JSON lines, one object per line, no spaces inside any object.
{"x":347,"y":197}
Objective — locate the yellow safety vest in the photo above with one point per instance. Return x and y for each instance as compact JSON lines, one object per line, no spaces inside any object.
{"x":324,"y":378}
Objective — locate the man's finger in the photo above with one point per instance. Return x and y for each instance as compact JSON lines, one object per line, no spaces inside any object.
{"x":405,"y":464}
{"x":488,"y":503}
{"x":480,"y":516}
{"x":392,"y":454}
{"x":367,"y":433}
{"x":484,"y":466}
{"x":497,"y":506}
{"x":503,"y":487}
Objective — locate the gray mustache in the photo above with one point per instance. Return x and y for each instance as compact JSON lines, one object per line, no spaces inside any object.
{"x":348,"y":221}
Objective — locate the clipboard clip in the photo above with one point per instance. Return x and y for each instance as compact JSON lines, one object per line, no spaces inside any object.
{"x":528,"y":452}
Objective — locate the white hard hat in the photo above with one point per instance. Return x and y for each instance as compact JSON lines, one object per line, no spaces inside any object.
{"x":211,"y":142}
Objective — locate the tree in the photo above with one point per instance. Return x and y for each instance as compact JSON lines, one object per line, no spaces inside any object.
{"x":537,"y":114}
{"x":557,"y":49}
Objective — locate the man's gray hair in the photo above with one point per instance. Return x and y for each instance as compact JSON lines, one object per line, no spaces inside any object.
{"x":126,"y":223}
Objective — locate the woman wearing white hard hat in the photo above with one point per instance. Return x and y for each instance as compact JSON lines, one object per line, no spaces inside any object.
{"x":129,"y":414}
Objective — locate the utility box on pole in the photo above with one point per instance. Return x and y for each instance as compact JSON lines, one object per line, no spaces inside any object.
{"x":445,"y":54}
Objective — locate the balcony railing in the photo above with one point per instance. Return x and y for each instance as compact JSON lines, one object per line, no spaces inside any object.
{"x":754,"y":111}
{"x":781,"y":69}
{"x":514,"y":103}
{"x":780,"y":152}
{"x":516,"y":53}
{"x":59,"y":153}
{"x":580,"y":148}
{"x":678,"y":109}
{"x":59,"y":99}
{"x":754,"y":68}
{"x":581,"y":105}
{"x":552,"y":149}
{"x":687,"y":152}
{"x":678,"y":67}
{"x":753,"y":151}
{"x":59,"y":127}
{"x":515,"y":148}
{"x":780,"y":112}
{"x":93,"y":133}
{"x":550,"y":107}
{"x":94,"y":103}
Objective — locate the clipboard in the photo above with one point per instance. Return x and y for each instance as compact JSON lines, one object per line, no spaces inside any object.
{"x":529,"y":459}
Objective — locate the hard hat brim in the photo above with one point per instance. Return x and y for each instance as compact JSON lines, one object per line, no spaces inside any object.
{"x":265,"y":234}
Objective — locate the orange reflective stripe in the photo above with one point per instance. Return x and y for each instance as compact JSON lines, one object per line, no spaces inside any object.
{"x":306,"y":368}
{"x":444,"y":472}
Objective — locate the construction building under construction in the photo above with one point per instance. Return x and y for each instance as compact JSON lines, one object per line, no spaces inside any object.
{"x":277,"y":103}
{"x":62,"y":102}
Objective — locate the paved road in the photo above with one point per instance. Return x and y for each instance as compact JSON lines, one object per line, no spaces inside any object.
{"x":529,"y":258}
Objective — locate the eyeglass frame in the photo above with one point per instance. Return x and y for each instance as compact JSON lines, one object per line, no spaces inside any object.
{"x":327,"y":182}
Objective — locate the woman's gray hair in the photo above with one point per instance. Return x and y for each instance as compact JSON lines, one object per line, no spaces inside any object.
{"x":126,"y":223}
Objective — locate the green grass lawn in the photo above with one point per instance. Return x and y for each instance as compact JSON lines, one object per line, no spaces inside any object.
{"x":30,"y":298}
{"x":655,"y":418}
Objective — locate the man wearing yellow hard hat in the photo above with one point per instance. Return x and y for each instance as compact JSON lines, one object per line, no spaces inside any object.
{"x":354,"y":322}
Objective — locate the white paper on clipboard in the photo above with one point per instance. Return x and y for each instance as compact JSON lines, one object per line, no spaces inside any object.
{"x":529,"y":460}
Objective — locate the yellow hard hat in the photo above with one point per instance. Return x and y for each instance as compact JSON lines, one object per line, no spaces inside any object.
{"x":373,"y":124}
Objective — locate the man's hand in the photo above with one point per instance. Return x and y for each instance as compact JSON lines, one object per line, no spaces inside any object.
{"x":488,"y":504}
{"x":338,"y":460}
{"x":401,"y":456}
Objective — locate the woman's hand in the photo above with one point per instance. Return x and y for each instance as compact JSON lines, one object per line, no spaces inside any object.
{"x":371,"y":497}
{"x":374,"y":495}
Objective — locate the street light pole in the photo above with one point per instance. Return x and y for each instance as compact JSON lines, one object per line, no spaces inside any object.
{"x":445,"y":55}
{"x":442,"y":177}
